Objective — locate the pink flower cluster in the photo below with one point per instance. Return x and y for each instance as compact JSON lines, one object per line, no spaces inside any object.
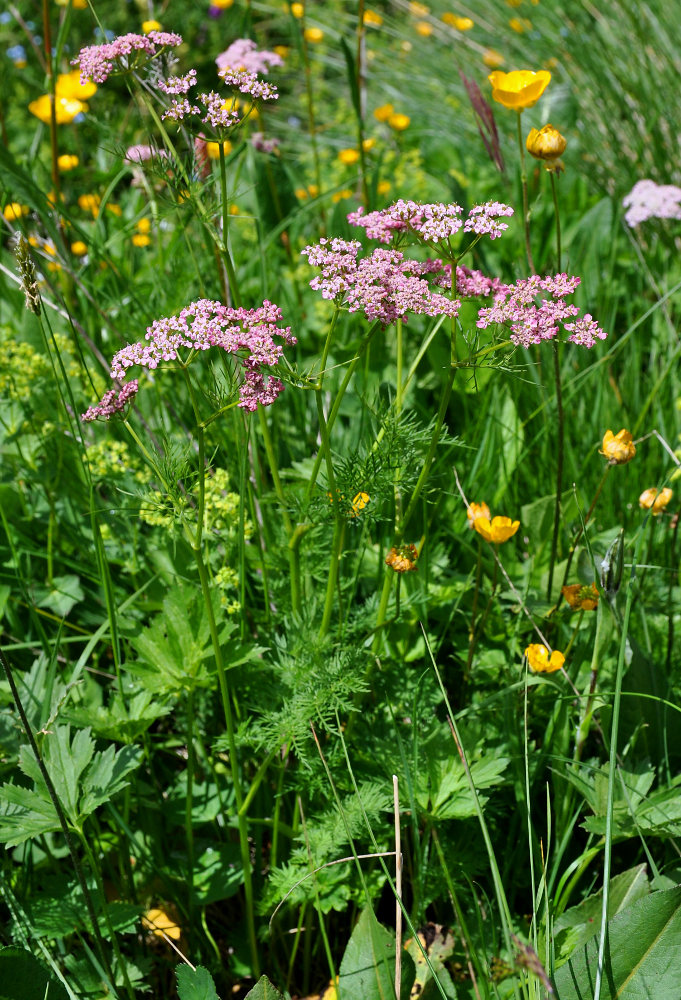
{"x":648,"y":200}
{"x":248,"y":83}
{"x":142,"y":152}
{"x":97,"y":62}
{"x":112,"y":402}
{"x":178,"y":84}
{"x":531,"y":323}
{"x":215,"y":112}
{"x":247,"y":334}
{"x":470,"y":284}
{"x":385,"y":286}
{"x":433,"y":223}
{"x":243,"y":54}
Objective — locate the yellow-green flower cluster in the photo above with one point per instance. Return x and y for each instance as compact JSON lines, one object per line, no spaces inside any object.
{"x":111,"y":458}
{"x":221,"y":511}
{"x":20,"y":368}
{"x":227,"y":579}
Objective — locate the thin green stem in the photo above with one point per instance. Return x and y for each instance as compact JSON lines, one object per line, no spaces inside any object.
{"x":523,"y":181}
{"x":224,"y":249}
{"x":188,"y":824}
{"x":554,"y":192}
{"x":339,"y":533}
{"x":560,"y":451}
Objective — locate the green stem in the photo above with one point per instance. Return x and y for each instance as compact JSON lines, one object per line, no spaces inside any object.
{"x":339,"y":529}
{"x":523,"y":181}
{"x":188,"y":825}
{"x":560,"y":450}
{"x":293,"y":551}
{"x":554,"y":192}
{"x":582,"y":528}
{"x":224,"y":249}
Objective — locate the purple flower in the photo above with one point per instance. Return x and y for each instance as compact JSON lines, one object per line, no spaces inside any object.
{"x":384,"y":286}
{"x":246,"y":334}
{"x":112,"y":402}
{"x":533,"y":318}
{"x":97,"y":61}
{"x":648,"y":200}
{"x":243,"y":54}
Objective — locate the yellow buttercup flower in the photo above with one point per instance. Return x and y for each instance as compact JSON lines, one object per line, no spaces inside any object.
{"x":221,"y":4}
{"x":655,"y":500}
{"x":498,"y":530}
{"x":519,"y":89}
{"x":541,"y":661}
{"x":368,"y":144}
{"x":403,"y":558}
{"x":492,"y":58}
{"x":359,"y":502}
{"x":383,"y":113}
{"x":78,"y":249}
{"x":14,"y":210}
{"x":349,"y":156}
{"x":297,"y":10}
{"x":399,"y":122}
{"x":582,"y":597}
{"x":67,"y":161}
{"x":68,"y":85}
{"x":140,"y":240}
{"x":313,"y":35}
{"x":546,"y":143}
{"x":373,"y":18}
{"x":520,"y":24}
{"x":213,"y":149}
{"x":90,"y":203}
{"x":476,"y":510}
{"x":460,"y":23}
{"x":424,"y":28}
{"x":162,"y":925}
{"x":148,"y":26}
{"x":341,"y":195}
{"x":383,"y":187}
{"x":618,"y":448}
{"x":65,"y":109}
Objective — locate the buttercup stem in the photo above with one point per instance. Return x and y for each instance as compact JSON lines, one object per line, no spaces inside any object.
{"x":580,"y":532}
{"x":523,"y":180}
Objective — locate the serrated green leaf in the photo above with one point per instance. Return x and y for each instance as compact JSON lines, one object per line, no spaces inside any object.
{"x":65,"y":760}
{"x":642,"y":957}
{"x":195,"y":984}
{"x":106,"y":776}
{"x":23,"y":977}
{"x":264,"y":990}
{"x":28,"y":815}
{"x":63,"y":595}
{"x":367,"y":970}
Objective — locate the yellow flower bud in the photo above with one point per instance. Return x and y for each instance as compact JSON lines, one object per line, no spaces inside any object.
{"x":546,"y":143}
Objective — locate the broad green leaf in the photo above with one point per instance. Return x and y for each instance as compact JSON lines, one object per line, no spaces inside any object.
{"x":63,"y":595}
{"x":218,"y":873}
{"x":444,"y":790}
{"x":367,"y":971}
{"x":65,"y":760}
{"x":195,"y":984}
{"x":575,"y":926}
{"x":642,"y":957}
{"x":263,"y":990}
{"x":23,"y":977}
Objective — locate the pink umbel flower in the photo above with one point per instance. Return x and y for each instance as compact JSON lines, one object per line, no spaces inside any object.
{"x":243,"y":54}
{"x":247,"y":334}
{"x":432,"y":223}
{"x":178,"y":84}
{"x":470,"y":284}
{"x":534,"y":311}
{"x":385,"y":285}
{"x":98,"y":62}
{"x":142,"y":152}
{"x":248,"y":83}
{"x":648,"y":200}
{"x":112,"y":402}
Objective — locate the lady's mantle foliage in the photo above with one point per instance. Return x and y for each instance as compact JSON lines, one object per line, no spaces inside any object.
{"x":247,"y":334}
